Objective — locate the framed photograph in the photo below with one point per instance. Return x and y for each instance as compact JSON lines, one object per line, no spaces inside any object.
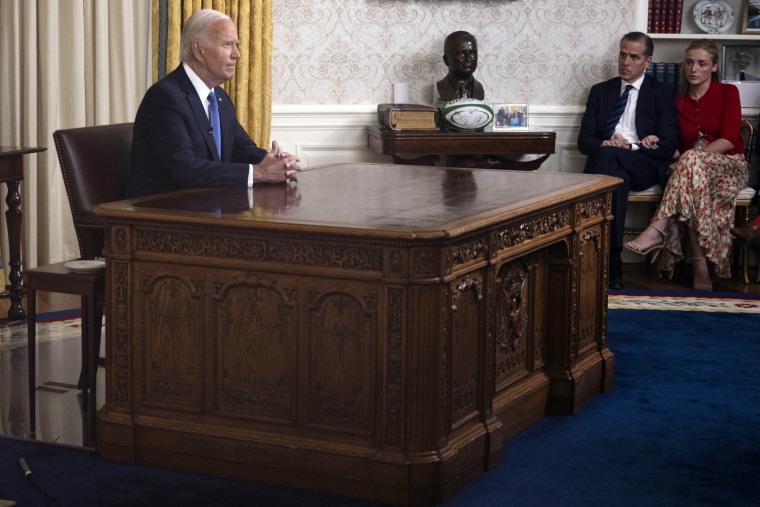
{"x":740,"y":62}
{"x":510,"y":116}
{"x":751,"y":16}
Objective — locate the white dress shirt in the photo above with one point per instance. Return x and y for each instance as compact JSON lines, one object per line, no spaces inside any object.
{"x":202,"y":90}
{"x":626,"y":127}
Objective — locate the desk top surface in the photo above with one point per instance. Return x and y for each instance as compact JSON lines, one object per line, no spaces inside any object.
{"x":376,"y":199}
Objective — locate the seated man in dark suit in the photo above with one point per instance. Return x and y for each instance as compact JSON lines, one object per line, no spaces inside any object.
{"x":638,"y":143}
{"x":184,"y":138}
{"x":460,"y":54}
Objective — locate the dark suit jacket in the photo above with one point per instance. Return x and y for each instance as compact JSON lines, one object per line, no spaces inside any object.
{"x":173,"y":148}
{"x":655,"y":114}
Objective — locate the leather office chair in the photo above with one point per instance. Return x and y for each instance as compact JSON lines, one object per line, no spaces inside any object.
{"x":95,"y":164}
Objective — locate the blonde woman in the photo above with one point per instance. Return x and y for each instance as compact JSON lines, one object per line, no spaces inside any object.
{"x":708,"y":174}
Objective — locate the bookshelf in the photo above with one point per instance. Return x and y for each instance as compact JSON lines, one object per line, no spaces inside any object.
{"x":670,"y":46}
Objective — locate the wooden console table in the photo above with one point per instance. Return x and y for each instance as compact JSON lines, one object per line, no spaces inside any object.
{"x":463,"y":149}
{"x":376,"y":331}
{"x":11,"y":173}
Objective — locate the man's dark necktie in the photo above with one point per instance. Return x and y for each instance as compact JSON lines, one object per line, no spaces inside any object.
{"x":213,"y":116}
{"x":612,"y":121}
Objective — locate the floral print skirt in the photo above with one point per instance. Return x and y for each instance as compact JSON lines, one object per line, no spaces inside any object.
{"x":701,"y":194}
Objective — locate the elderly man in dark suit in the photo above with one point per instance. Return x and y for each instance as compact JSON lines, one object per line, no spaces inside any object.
{"x":629,"y":130}
{"x":186,"y":133}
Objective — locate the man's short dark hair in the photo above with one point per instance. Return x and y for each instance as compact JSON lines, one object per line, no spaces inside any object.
{"x":640,"y":37}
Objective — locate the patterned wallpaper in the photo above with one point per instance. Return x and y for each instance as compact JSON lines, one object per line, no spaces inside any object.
{"x":541,"y":52}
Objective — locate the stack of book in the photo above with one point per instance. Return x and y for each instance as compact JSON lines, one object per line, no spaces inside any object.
{"x":668,"y":73}
{"x":665,"y":16}
{"x":408,"y":116}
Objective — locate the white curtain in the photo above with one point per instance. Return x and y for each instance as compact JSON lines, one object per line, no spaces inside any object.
{"x":64,"y":64}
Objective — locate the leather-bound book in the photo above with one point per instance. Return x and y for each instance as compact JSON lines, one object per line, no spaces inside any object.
{"x":408,"y":116}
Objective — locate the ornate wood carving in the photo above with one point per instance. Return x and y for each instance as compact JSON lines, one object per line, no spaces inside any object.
{"x":256,"y":363}
{"x":341,"y":334}
{"x":396,"y":262}
{"x":532,"y":229}
{"x":591,"y":208}
{"x":512,"y":314}
{"x":424,"y":262}
{"x":394,"y":367}
{"x":119,"y":314}
{"x":120,"y":239}
{"x":466,"y":321}
{"x":467,"y":252}
{"x":172,"y":328}
{"x":589,"y":259}
{"x":295,"y":252}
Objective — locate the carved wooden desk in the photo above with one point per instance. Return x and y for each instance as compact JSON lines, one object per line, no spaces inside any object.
{"x":12,"y":172}
{"x":463,"y":149}
{"x":377,"y":331}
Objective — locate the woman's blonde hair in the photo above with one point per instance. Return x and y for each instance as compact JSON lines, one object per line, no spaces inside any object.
{"x":712,"y":50}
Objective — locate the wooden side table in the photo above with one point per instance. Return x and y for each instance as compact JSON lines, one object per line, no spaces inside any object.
{"x":11,"y":173}
{"x":91,"y":287}
{"x":486,"y":150}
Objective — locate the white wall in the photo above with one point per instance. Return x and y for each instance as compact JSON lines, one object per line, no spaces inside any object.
{"x":541,"y":52}
{"x":335,"y":60}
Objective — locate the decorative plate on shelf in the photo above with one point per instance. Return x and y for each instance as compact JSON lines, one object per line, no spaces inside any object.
{"x":713,"y":16}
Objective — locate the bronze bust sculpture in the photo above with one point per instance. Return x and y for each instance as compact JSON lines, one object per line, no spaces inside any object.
{"x":460,"y":54}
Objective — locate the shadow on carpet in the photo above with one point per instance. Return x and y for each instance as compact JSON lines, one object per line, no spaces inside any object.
{"x":680,"y":428}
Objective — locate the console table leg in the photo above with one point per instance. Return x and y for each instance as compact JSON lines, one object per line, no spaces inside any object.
{"x":13,"y":220}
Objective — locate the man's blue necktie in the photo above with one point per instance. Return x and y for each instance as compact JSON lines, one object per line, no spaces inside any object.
{"x":612,"y":121}
{"x":213,"y":116}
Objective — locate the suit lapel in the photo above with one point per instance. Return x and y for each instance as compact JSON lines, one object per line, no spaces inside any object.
{"x":199,"y":111}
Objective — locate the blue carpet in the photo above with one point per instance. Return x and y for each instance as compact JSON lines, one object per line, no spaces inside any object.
{"x":680,"y":428}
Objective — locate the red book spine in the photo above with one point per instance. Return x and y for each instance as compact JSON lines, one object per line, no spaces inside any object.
{"x":667,"y":15}
{"x":655,"y":16}
{"x":678,"y":16}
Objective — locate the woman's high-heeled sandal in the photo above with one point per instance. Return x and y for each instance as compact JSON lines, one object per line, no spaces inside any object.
{"x":633,"y":247}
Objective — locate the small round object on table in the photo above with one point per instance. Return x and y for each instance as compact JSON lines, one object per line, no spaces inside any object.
{"x":467,"y":114}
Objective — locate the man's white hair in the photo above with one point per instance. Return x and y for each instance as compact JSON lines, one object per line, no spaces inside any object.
{"x":197,"y":29}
